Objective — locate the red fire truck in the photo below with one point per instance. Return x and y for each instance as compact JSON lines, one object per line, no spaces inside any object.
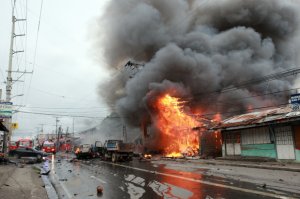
{"x":26,"y":143}
{"x":49,"y":147}
{"x":12,"y":145}
{"x":21,"y":143}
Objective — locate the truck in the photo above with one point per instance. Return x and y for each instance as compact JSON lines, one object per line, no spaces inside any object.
{"x":97,"y":150}
{"x":116,"y":150}
{"x":26,"y":142}
{"x":12,"y":145}
{"x":49,"y":147}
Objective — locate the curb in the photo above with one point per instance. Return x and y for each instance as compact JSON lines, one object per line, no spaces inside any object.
{"x":51,"y":192}
{"x":252,"y":166}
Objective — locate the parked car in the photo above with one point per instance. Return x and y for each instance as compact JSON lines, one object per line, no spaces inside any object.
{"x":27,"y":152}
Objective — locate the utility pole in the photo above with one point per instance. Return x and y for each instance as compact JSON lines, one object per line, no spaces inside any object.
{"x":73,"y":126}
{"x":124,"y":133}
{"x":42,"y":128}
{"x":9,"y":81}
{"x":56,"y":132}
{"x":58,"y":137}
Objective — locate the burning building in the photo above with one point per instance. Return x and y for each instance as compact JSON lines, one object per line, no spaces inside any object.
{"x":199,"y":60}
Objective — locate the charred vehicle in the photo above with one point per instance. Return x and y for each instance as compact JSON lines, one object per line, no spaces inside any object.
{"x":97,"y":150}
{"x":84,"y":151}
{"x":117,"y":150}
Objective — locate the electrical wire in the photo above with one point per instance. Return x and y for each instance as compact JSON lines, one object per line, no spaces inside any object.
{"x":246,"y":83}
{"x":59,"y":115}
{"x":35,"y":49}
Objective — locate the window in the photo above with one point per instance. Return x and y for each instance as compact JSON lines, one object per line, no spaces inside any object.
{"x":259,"y":135}
{"x":284,"y":135}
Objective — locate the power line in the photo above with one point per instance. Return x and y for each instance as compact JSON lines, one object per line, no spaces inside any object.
{"x":36,"y":44}
{"x":246,"y":83}
{"x":55,"y":108}
{"x":252,"y":109}
{"x":254,"y":96}
{"x":59,"y":115}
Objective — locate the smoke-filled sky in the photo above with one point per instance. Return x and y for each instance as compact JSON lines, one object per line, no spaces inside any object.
{"x":201,"y":47}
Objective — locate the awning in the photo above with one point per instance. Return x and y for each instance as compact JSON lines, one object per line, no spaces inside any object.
{"x":3,"y":128}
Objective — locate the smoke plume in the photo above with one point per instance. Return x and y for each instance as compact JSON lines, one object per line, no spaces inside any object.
{"x":202,"y":46}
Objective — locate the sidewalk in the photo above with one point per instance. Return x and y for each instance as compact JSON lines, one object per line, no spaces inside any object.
{"x":285,"y":166}
{"x":17,"y":182}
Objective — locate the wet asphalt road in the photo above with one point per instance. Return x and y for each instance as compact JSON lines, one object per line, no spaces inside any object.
{"x":144,"y":180}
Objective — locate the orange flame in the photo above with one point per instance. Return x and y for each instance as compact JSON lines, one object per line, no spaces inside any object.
{"x":77,"y":150}
{"x":177,"y":127}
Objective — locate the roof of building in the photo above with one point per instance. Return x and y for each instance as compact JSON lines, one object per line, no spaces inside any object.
{"x":260,"y":118}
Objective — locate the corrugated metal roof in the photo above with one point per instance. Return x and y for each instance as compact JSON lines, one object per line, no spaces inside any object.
{"x":258,"y":118}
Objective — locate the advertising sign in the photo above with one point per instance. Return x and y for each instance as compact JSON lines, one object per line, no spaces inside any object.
{"x":5,"y":109}
{"x":295,"y":101}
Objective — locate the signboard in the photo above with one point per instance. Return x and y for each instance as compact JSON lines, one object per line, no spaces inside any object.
{"x":5,"y":109}
{"x":295,"y":101}
{"x":14,"y":125}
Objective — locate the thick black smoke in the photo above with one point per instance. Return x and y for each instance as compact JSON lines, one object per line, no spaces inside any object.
{"x":203,"y":46}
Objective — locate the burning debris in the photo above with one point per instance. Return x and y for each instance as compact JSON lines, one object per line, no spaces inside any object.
{"x":192,"y":51}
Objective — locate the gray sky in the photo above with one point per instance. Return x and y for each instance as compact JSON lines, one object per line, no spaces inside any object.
{"x":66,"y":76}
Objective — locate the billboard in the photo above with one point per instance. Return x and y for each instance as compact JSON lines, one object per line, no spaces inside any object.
{"x":295,"y":101}
{"x":5,"y":109}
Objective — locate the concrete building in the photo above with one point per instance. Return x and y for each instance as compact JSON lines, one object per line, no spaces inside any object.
{"x":273,"y":133}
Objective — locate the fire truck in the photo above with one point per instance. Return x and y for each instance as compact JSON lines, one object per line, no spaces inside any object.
{"x":21,"y":143}
{"x":12,"y":145}
{"x":49,"y":147}
{"x":25,"y":143}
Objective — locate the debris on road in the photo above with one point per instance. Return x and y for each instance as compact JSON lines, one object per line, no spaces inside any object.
{"x":46,"y":173}
{"x":74,"y":160}
{"x":99,"y":189}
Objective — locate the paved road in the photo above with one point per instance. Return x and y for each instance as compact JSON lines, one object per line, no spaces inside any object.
{"x":147,"y":180}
